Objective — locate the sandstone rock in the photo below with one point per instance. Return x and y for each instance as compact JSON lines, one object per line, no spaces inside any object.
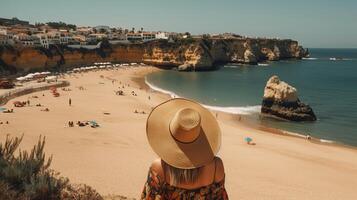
{"x":185,"y":67}
{"x":249,"y":57}
{"x":276,"y":52}
{"x":281,"y":100}
{"x":269,"y":54}
{"x":279,"y":90}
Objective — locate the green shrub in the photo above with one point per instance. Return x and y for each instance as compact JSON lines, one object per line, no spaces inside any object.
{"x":28,"y":175}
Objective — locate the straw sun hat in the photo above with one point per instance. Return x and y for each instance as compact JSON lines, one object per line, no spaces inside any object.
{"x":183,"y":133}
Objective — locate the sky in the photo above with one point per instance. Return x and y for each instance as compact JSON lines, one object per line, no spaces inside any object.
{"x":314,"y":23}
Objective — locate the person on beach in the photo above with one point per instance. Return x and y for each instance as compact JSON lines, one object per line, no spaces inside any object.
{"x":70,"y":102}
{"x":186,"y":137}
{"x":308,"y":137}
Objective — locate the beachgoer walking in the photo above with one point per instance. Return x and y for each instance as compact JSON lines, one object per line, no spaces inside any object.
{"x":70,"y":102}
{"x":188,"y":167}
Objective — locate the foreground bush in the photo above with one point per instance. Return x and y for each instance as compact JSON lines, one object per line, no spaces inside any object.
{"x":27,"y":176}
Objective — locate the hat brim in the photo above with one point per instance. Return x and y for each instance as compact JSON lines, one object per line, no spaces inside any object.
{"x":183,"y":155}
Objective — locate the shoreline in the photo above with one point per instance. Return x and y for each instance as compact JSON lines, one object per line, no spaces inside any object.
{"x":114,"y":158}
{"x":143,"y":82}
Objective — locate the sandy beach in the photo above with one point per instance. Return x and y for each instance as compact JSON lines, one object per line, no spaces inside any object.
{"x":114,"y":158}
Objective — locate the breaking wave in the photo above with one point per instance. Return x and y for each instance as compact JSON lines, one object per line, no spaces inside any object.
{"x":243,"y":110}
{"x":153,"y":87}
{"x":310,"y":58}
{"x":231,"y":66}
{"x":327,"y":141}
{"x":337,"y":59}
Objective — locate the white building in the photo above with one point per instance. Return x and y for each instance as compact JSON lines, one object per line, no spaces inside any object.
{"x":24,"y":40}
{"x":54,"y":38}
{"x":43,"y":40}
{"x":144,"y":36}
{"x":3,"y":30}
{"x":134,"y":37}
{"x":95,"y":37}
{"x":3,"y":39}
{"x":117,"y":36}
{"x":65,"y":38}
{"x":162,"y":35}
{"x":147,"y":36}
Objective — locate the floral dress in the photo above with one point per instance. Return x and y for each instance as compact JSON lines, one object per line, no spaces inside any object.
{"x":157,"y":189}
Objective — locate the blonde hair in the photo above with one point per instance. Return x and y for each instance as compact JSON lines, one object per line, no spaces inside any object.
{"x":178,"y":176}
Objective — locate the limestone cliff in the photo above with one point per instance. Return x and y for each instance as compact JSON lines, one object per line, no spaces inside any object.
{"x":186,"y":54}
{"x":281,"y":99}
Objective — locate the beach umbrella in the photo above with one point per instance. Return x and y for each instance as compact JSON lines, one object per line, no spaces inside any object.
{"x":29,"y":76}
{"x":50,"y":78}
{"x":21,"y":78}
{"x":248,"y":139}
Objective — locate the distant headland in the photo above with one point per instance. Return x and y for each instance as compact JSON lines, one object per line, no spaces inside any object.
{"x":57,"y":45}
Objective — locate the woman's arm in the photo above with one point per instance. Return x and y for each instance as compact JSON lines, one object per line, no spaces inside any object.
{"x":153,"y":186}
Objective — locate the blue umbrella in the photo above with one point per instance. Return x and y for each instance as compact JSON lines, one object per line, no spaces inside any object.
{"x":248,"y":139}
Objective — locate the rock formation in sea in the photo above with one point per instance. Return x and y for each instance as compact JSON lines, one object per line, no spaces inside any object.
{"x":185,"y":54}
{"x":281,"y":100}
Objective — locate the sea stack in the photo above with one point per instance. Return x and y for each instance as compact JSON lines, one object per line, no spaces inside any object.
{"x":281,"y":100}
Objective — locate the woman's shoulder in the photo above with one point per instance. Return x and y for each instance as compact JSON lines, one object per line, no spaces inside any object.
{"x":157,"y":168}
{"x":220,"y":174}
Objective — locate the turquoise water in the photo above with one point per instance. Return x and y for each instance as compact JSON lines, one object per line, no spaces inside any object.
{"x":328,"y":86}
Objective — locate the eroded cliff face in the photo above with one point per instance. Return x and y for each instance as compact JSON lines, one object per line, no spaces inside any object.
{"x":186,"y":54}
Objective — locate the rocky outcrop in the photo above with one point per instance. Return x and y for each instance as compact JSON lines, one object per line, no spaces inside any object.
{"x":281,"y":100}
{"x":184,"y":54}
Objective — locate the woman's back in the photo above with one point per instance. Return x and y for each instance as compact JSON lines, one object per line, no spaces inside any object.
{"x":209,"y":183}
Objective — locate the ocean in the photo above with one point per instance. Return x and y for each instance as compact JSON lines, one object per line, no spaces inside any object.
{"x":327,"y":81}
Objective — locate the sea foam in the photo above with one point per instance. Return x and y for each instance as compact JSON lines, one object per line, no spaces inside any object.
{"x":242,"y":110}
{"x":310,"y":58}
{"x":232,"y":66}
{"x":155,"y":88}
{"x":327,"y":141}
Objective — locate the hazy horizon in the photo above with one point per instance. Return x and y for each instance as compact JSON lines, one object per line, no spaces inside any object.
{"x":317,"y":24}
